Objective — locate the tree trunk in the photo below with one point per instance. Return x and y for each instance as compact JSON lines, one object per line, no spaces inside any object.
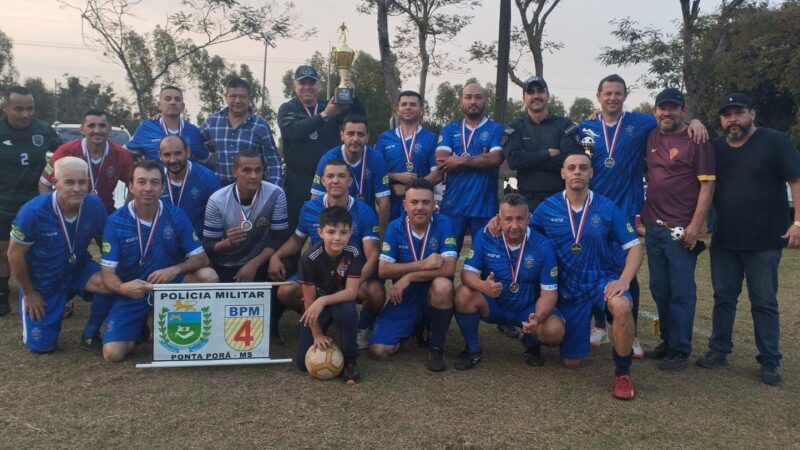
{"x":503,"y":49}
{"x":424,"y":59}
{"x":387,"y":58}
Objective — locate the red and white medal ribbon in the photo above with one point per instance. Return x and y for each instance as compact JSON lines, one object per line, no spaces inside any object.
{"x":61,"y":221}
{"x":409,"y":150}
{"x":246,"y":223}
{"x":143,"y":250}
{"x":414,"y":254}
{"x":515,"y":266}
{"x":576,"y":234}
{"x":183,"y":184}
{"x":611,"y":147}
{"x":87,"y":154}
{"x":308,"y":111}
{"x":465,"y":142}
{"x":167,"y":131}
{"x":360,"y":183}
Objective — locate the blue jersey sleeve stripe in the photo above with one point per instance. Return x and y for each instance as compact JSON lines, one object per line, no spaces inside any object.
{"x":549,"y":287}
{"x":450,"y":255}
{"x":494,"y":149}
{"x":444,"y":148}
{"x":632,"y":243}
{"x":300,"y":233}
{"x":387,"y":258}
{"x":317,"y":191}
{"x":370,"y":238}
{"x":382,"y":194}
{"x":13,"y":238}
{"x":194,"y":252}
{"x":107,"y":263}
{"x":471,"y":269}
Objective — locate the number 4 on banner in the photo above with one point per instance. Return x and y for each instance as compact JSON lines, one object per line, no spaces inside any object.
{"x":244,"y":335}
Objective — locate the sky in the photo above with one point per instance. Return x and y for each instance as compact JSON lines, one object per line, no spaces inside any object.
{"x":48,"y":42}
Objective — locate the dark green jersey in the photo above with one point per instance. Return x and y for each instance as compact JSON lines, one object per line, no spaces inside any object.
{"x":22,"y":160}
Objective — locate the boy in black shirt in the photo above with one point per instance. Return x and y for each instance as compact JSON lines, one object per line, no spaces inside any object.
{"x":330,"y":273}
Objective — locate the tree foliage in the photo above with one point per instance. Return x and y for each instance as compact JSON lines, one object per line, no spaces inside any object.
{"x":581,"y":108}
{"x":7,"y":71}
{"x":447,"y":107}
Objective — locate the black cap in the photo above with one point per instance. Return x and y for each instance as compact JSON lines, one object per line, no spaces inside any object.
{"x":534,"y":80}
{"x":735,"y":99}
{"x":306,"y":72}
{"x":670,"y":95}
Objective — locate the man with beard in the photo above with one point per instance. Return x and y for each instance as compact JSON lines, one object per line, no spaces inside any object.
{"x":468,"y":157}
{"x":147,"y":137}
{"x":309,"y":127}
{"x":24,"y":141}
{"x":680,"y":184}
{"x":751,"y":229}
{"x":186,"y":185}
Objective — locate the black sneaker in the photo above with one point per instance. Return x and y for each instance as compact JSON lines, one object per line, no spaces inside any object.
{"x":659,"y":352}
{"x":533,"y":356}
{"x":771,"y":374}
{"x":5,"y":308}
{"x":93,"y":344}
{"x":436,"y":360}
{"x":350,"y":373}
{"x":673,"y":362}
{"x":511,"y":331}
{"x":712,"y":360}
{"x":467,"y":360}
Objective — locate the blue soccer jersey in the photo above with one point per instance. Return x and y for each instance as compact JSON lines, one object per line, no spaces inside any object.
{"x":538,"y":268}
{"x":390,"y":145}
{"x":150,"y":132}
{"x":173,"y":242}
{"x":369,"y":182}
{"x":192,"y":195}
{"x":441,"y":240}
{"x":624,"y":182}
{"x":471,"y":192}
{"x":38,"y":226}
{"x":605,"y":230}
{"x":365,"y":221}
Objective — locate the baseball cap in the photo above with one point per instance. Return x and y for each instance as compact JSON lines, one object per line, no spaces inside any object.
{"x":306,"y":72}
{"x":670,"y":95}
{"x":735,"y":99}
{"x":534,"y":80}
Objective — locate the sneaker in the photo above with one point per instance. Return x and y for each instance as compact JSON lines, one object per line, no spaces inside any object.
{"x":638,"y":353}
{"x":659,"y":352}
{"x":771,"y":374}
{"x":599,"y":337}
{"x":623,"y":387}
{"x":68,"y":311}
{"x":350,"y":373}
{"x":533,"y":356}
{"x":712,"y":360}
{"x":673,"y":362}
{"x":362,"y":339}
{"x":467,"y":360}
{"x":93,"y":344}
{"x":436,"y":360}
{"x":5,"y":308}
{"x":512,"y":331}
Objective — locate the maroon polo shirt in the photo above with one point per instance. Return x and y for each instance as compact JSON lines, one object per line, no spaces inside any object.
{"x":675,"y":168}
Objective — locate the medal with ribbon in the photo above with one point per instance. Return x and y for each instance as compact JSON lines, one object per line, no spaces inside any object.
{"x":183,"y":184}
{"x":408,"y":150}
{"x":167,"y":131}
{"x":94,"y":180}
{"x":360,"y":181}
{"x":409,"y":235}
{"x":62,"y":221}
{"x":514,"y":287}
{"x":577,"y":233}
{"x":465,"y":142}
{"x":246,"y":225}
{"x":143,"y":250}
{"x":314,"y":135}
{"x":611,"y":147}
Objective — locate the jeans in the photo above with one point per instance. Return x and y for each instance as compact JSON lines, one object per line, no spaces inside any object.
{"x":673,"y":287}
{"x":345,"y":316}
{"x":760,"y":269}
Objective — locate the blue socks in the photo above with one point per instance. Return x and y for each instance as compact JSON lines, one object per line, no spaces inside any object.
{"x":99,"y":308}
{"x":622,"y":363}
{"x":468,"y":323}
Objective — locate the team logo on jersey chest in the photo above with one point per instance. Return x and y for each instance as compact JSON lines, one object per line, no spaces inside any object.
{"x":434,"y":244}
{"x":484,"y":136}
{"x":630,"y":129}
{"x":341,"y":269}
{"x":262,"y":222}
{"x":37,"y":140}
{"x":195,"y":193}
{"x":528,"y":262}
{"x":182,"y":327}
{"x":596,"y":220}
{"x":417,"y":148}
{"x":168,"y":232}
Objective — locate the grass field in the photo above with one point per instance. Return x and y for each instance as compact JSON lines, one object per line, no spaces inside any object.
{"x":73,"y":399}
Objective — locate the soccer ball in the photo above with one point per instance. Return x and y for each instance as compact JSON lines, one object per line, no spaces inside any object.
{"x":324,"y":364}
{"x":676,"y":233}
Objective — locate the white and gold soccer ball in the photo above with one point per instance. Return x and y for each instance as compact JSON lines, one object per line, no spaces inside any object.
{"x":324,"y":364}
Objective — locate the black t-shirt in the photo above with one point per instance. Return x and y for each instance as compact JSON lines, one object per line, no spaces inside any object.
{"x":329,"y":275}
{"x":752,"y":212}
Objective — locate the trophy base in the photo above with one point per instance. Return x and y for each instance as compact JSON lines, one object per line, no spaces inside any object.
{"x":343,"y":96}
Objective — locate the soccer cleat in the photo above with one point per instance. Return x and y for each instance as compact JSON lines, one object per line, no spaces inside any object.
{"x":771,"y":374}
{"x":638,"y":353}
{"x":5,"y":308}
{"x":533,"y":356}
{"x":659,"y":352}
{"x":598,"y":337}
{"x":623,"y":387}
{"x":350,"y":373}
{"x":467,"y":360}
{"x":511,"y":331}
{"x":436,"y":360}
{"x":93,"y":344}
{"x":712,"y":360}
{"x":362,"y":339}
{"x":673,"y":362}
{"x":68,"y":311}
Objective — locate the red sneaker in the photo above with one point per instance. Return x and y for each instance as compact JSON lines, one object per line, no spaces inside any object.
{"x":623,"y":387}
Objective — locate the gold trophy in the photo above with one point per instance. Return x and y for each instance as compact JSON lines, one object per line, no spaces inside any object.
{"x":343,"y":57}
